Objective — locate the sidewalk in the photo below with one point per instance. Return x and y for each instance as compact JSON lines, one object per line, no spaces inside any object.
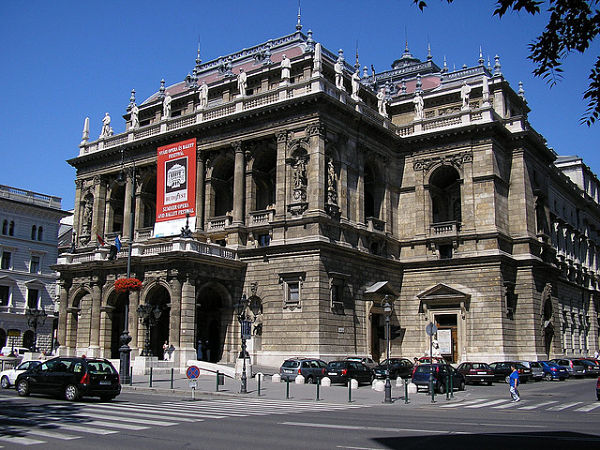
{"x":206,"y":388}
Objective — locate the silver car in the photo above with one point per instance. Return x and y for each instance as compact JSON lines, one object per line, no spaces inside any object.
{"x":364,"y":360}
{"x":573,"y":366}
{"x":537,"y":371}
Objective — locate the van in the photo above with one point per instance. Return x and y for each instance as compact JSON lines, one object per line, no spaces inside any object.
{"x":17,"y":351}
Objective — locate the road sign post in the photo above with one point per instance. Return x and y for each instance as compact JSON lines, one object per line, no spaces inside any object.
{"x":193,"y":372}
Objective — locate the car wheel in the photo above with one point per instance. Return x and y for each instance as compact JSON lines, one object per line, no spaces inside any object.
{"x":71,"y":393}
{"x":548,"y":377}
{"x":461,"y":386}
{"x":23,"y":388}
{"x":489,"y":383}
{"x":5,"y":383}
{"x":309,"y":380}
{"x":441,"y":388}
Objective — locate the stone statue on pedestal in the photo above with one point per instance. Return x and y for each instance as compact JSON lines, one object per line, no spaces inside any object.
{"x":465,"y":92}
{"x":355,"y":85}
{"x":286,"y":66}
{"x":135,"y":120}
{"x":418,"y":101}
{"x":203,"y":95}
{"x":106,"y":129}
{"x":381,"y":103}
{"x":242,"y":83}
{"x":338,"y":67}
{"x":167,"y":106}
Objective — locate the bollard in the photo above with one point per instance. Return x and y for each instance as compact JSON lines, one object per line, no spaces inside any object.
{"x":406,"y":392}
{"x":318,"y":385}
{"x":432,"y":388}
{"x":447,"y":385}
{"x":150,"y":376}
{"x":349,"y":391}
{"x":131,"y":376}
{"x":172,"y":377}
{"x":287,"y":388}
{"x":258,"y":378}
{"x":217,"y":378}
{"x":451,"y":386}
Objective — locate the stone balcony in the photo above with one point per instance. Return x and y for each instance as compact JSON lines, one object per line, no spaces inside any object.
{"x":444,"y":229}
{"x":263,"y":217}
{"x":149,"y":249}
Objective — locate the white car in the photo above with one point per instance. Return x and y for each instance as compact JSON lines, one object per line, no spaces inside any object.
{"x":8,"y":377}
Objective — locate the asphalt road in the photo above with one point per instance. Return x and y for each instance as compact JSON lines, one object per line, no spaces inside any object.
{"x":552,"y":415}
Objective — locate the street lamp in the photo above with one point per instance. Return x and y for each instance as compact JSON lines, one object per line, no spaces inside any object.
{"x":387,"y":311}
{"x":35,"y":318}
{"x":149,"y":315}
{"x":246,"y":329}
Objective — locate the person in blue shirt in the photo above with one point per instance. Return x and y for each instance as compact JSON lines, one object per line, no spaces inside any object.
{"x":514,"y":383}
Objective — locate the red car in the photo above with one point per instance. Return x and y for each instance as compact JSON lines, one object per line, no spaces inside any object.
{"x":477,"y":372}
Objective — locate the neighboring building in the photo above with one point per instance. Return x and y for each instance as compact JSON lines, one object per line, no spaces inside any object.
{"x":315,"y":197}
{"x":28,"y":247}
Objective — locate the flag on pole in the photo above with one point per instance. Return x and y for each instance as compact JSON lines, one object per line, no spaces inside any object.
{"x":100,"y":240}
{"x":118,"y":243}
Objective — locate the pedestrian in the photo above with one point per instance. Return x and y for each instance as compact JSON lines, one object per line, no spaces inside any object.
{"x":514,"y":384}
{"x":166,"y":351}
{"x":200,"y":350}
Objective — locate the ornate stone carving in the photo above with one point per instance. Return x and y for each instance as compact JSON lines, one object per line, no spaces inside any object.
{"x":282,"y":136}
{"x":332,"y":194}
{"x":456,"y":159}
{"x":315,"y":129}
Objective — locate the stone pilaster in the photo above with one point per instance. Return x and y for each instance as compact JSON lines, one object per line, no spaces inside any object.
{"x":99,"y":208}
{"x":95,"y":319}
{"x":127,"y":207}
{"x":77,"y":207}
{"x":188,"y":321}
{"x":200,"y":171}
{"x":62,"y":313}
{"x":238,"y":184}
{"x":175,"y":313}
{"x":281,"y":188}
{"x":316,"y":167}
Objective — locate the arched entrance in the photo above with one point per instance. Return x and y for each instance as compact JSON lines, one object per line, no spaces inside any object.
{"x":117,"y":323}
{"x":159,"y":333}
{"x":28,"y":339}
{"x":211,"y":324}
{"x":444,"y":187}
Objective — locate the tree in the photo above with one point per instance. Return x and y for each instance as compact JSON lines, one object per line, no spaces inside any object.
{"x":572,"y":27}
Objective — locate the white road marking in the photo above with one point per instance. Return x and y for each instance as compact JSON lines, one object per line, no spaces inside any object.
{"x":50,"y":434}
{"x":590,"y":407}
{"x":122,"y":426}
{"x":470,"y":402}
{"x":127,"y":419}
{"x":563,"y":406}
{"x":20,"y":440}
{"x":83,"y":429}
{"x":159,"y":412}
{"x":354,"y":427}
{"x":539,"y":405}
{"x":490,"y":403}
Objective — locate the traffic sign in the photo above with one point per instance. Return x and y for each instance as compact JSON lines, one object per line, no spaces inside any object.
{"x":192,"y":372}
{"x":431,"y":329}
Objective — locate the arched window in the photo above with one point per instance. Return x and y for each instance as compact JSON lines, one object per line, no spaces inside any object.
{"x":33,"y":232}
{"x":374,"y":192}
{"x":11,"y":229}
{"x":444,"y":187}
{"x":5,"y":227}
{"x":40,"y":234}
{"x":28,"y":338}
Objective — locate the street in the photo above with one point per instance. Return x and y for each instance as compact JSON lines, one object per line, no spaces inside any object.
{"x":552,"y":414}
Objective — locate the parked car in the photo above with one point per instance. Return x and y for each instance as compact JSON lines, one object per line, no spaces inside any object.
{"x":476,"y":372}
{"x":537,"y":371}
{"x":427,"y":360}
{"x":502,"y":370}
{"x":574,"y":366}
{"x":365,"y":360}
{"x":399,"y":367}
{"x":8,"y":377}
{"x":72,"y":378}
{"x":309,"y":368}
{"x":343,"y":371}
{"x":16,"y":351}
{"x":598,"y":389}
{"x":592,"y":369}
{"x":554,"y":371}
{"x":440,"y":373}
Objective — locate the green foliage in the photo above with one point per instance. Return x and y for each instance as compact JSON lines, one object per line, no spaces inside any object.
{"x":572,"y":27}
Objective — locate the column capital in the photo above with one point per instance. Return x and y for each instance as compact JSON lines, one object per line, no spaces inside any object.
{"x":237,"y":146}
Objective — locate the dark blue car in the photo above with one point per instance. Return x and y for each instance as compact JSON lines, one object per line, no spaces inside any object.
{"x":554,"y":371}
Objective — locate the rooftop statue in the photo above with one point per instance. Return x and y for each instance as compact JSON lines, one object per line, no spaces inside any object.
{"x":418,"y":101}
{"x":203,"y":95}
{"x":339,"y":71}
{"x":286,"y":66}
{"x":381,"y":103}
{"x":242,"y":83}
{"x":167,"y":106}
{"x":355,"y":85}
{"x":106,"y":129}
{"x":465,"y":92}
{"x":135,"y":120}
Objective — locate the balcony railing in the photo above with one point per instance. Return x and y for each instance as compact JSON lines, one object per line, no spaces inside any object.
{"x":219,"y":223}
{"x":374,"y":224}
{"x":263,"y":217}
{"x":441,"y":229}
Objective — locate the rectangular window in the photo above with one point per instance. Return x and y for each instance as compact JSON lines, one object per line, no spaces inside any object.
{"x":292,"y":289}
{"x":32,"y":298}
{"x":34,"y":265}
{"x":293,"y":293}
{"x":5,"y":264}
{"x":4,"y":293}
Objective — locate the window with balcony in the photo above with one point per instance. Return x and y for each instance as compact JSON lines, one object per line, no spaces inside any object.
{"x":444,"y":186}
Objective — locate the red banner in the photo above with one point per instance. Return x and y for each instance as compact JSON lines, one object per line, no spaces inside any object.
{"x":176,"y":181}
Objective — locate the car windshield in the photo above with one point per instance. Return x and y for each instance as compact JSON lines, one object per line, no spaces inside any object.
{"x":481,"y":366}
{"x":291,"y":364}
{"x":336,"y":365}
{"x":101,"y":367}
{"x":424,"y":368}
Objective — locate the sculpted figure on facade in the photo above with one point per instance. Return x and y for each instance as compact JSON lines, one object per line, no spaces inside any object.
{"x":300,"y":179}
{"x":106,"y":129}
{"x":381,"y":103}
{"x":135,"y":120}
{"x":465,"y":92}
{"x":242,"y":83}
{"x":418,"y":101}
{"x":355,"y":84}
{"x":338,"y":67}
{"x":88,"y":208}
{"x":331,"y":183}
{"x":203,"y":95}
{"x":286,"y":67}
{"x":167,"y":106}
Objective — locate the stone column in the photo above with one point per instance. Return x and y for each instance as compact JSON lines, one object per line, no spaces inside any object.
{"x":175,"y":313}
{"x":316,"y":167}
{"x":200,"y":170}
{"x":105,"y":331}
{"x":139,"y":207}
{"x":359,"y":201}
{"x":62,"y":313}
{"x":133,"y":322}
{"x":188,"y":321}
{"x":94,"y":346}
{"x":127,"y":207}
{"x":99,"y":208}
{"x":280,"y":177}
{"x":77,"y":208}
{"x":238,"y":184}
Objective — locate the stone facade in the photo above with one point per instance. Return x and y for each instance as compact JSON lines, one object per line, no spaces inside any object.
{"x":307,"y":198}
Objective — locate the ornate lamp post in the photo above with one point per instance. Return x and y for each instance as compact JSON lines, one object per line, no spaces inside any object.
{"x":388,"y":308}
{"x":246,"y":330}
{"x":149,"y":315}
{"x":35,"y":318}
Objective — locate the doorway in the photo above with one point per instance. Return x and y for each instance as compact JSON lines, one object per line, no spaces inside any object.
{"x":447,"y":336}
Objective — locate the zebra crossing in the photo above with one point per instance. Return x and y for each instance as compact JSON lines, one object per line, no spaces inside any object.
{"x":526,"y":405}
{"x":67,"y":422}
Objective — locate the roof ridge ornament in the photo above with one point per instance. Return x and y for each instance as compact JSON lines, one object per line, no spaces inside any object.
{"x":429,"y":56}
{"x":310,"y":42}
{"x":480,"y":60}
{"x":85,"y":136}
{"x":161,"y":91}
{"x":298,"y":24}
{"x":497,"y":66}
{"x":131,"y":100}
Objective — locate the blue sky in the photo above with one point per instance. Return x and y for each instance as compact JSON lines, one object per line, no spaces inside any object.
{"x":65,"y":60}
